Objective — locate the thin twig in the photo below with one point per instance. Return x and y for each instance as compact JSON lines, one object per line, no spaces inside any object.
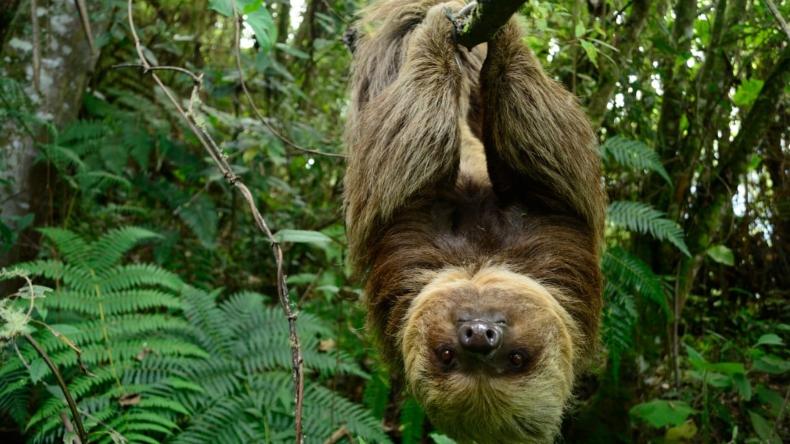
{"x":779,"y":18}
{"x":69,"y":427}
{"x":675,"y":330}
{"x":238,"y":23}
{"x":117,"y":437}
{"x":339,"y":433}
{"x":191,"y":199}
{"x":36,"y":46}
{"x":195,"y":78}
{"x":82,"y":10}
{"x":222,"y":164}
{"x":62,"y":384}
{"x":779,"y":417}
{"x":77,"y":351}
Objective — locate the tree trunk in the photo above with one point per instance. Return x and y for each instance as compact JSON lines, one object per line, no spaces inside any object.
{"x":51,"y":69}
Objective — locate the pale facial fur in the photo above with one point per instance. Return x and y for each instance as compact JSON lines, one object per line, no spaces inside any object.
{"x":479,"y":404}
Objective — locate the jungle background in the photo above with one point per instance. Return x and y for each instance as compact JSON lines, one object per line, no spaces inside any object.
{"x":121,"y":239}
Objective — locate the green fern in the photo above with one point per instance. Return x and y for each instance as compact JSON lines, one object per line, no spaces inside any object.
{"x":637,"y":216}
{"x":84,"y":130}
{"x":246,"y":387}
{"x":633,"y":154}
{"x":411,"y":420}
{"x":198,"y":212}
{"x":377,"y":393}
{"x":118,"y":315}
{"x":152,"y":378}
{"x":619,"y":320}
{"x":625,"y":276}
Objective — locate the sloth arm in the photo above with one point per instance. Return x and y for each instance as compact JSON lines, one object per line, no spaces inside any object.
{"x":540,"y":147}
{"x":408,"y":137}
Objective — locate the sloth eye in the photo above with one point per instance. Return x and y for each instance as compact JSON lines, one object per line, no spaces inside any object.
{"x":516,"y":359}
{"x":446,"y":356}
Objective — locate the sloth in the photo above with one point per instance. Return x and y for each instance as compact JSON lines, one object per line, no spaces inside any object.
{"x":474,"y":214}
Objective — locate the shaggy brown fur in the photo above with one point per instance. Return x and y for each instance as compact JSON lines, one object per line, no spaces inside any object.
{"x":448,"y":230}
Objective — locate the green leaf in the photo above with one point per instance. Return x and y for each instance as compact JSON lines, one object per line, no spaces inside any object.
{"x":694,"y":355}
{"x":768,"y":396}
{"x":224,"y":7}
{"x":681,"y":433}
{"x":661,"y":413}
{"x":292,"y":51}
{"x":439,"y":438}
{"x":728,"y":368}
{"x":763,"y":427}
{"x":641,"y":217}
{"x":38,"y":368}
{"x":743,"y":385}
{"x":579,"y":31}
{"x":591,"y":51}
{"x":771,"y":364}
{"x":262,"y":25}
{"x":747,"y":92}
{"x":769,"y":339}
{"x":302,"y":236}
{"x":721,"y":254}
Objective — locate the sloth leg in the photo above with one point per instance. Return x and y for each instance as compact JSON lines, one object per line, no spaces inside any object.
{"x":540,"y":147}
{"x":406,"y":139}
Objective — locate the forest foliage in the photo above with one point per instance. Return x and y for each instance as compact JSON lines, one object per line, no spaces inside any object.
{"x":142,"y":287}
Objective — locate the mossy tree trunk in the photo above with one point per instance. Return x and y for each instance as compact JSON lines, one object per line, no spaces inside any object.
{"x":52,"y":68}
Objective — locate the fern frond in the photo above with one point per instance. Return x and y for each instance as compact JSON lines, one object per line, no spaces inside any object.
{"x":83,"y":131}
{"x":136,"y":275}
{"x":626,"y":274}
{"x":619,"y":320}
{"x":641,"y":217}
{"x":110,"y":248}
{"x":71,"y":246}
{"x":377,"y":393}
{"x":75,"y":276}
{"x":63,"y":157}
{"x":412,"y":418}
{"x":200,"y":215}
{"x":322,"y":405}
{"x":14,"y":393}
{"x":112,"y":303}
{"x":100,"y":180}
{"x":633,"y":154}
{"x":211,"y":328}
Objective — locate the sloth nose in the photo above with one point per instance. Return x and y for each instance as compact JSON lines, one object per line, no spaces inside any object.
{"x":479,"y":336}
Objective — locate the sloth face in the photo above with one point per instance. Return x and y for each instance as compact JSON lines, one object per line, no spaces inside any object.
{"x":490,"y":356}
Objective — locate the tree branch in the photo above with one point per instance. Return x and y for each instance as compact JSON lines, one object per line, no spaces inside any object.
{"x":779,"y":18}
{"x":479,"y":22}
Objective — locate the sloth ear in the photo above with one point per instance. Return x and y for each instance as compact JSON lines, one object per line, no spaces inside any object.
{"x":350,"y":39}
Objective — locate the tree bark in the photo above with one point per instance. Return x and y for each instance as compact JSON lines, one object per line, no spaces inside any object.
{"x":7,"y":12}
{"x":627,"y":40}
{"x":65,"y":66}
